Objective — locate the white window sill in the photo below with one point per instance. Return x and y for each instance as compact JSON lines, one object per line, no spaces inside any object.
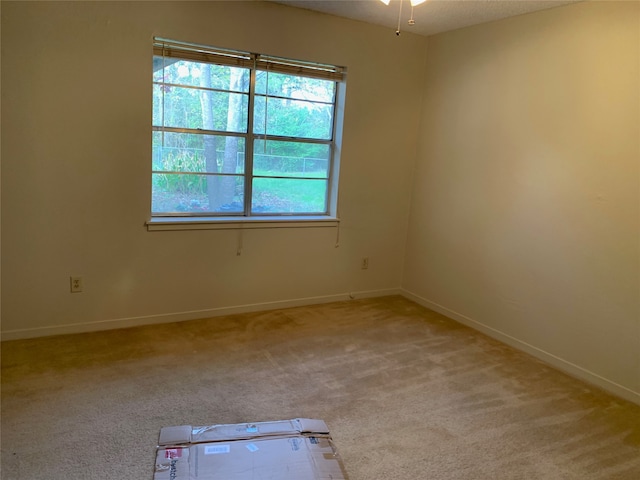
{"x":230,"y":223}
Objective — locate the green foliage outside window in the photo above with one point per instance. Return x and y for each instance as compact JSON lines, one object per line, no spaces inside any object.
{"x":201,"y":120}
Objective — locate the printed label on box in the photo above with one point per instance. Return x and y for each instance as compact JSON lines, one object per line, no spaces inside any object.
{"x":173,"y":453}
{"x":216,"y":449}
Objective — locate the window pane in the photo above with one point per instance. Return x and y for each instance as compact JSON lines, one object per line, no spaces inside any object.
{"x":293,"y":118}
{"x":198,"y":194}
{"x":292,"y":86}
{"x":185,"y":152}
{"x":158,"y":105}
{"x":195,"y":108}
{"x":290,"y":159}
{"x":185,"y":72}
{"x":289,"y":195}
{"x":200,"y":134}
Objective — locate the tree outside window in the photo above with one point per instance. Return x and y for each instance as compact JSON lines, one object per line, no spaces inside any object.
{"x":238,"y":136}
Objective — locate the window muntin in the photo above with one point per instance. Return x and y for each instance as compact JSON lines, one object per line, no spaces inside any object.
{"x":205,"y":161}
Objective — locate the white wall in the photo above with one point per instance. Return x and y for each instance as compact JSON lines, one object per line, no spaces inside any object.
{"x":525,"y":209}
{"x":525,"y":218}
{"x":76,"y":150}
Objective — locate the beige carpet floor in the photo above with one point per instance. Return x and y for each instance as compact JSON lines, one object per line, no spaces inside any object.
{"x":407,"y":393}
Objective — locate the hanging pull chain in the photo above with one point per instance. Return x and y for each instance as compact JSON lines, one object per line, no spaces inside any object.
{"x":399,"y":17}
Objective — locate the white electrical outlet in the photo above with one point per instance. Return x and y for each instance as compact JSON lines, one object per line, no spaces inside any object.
{"x":365,"y":263}
{"x":76,"y":284}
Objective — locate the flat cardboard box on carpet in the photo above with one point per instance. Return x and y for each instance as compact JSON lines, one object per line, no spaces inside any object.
{"x":298,"y":449}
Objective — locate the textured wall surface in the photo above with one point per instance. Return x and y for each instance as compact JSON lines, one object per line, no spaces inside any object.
{"x":76,"y":178}
{"x":526,"y":209}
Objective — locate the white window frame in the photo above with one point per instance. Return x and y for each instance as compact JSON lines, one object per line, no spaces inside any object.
{"x":257,"y":62}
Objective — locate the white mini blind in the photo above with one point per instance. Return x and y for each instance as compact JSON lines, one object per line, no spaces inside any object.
{"x":294,"y":67}
{"x":200,"y":53}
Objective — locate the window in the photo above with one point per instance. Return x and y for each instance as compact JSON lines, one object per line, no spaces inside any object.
{"x":242,"y":135}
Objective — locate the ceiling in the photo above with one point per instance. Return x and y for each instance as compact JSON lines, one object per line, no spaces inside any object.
{"x":433,"y":16}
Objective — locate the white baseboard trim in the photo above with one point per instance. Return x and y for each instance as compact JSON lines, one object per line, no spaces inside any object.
{"x":24,"y":333}
{"x":567,"y":367}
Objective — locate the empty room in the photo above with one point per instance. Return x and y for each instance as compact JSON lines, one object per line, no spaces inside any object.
{"x":417,"y":223}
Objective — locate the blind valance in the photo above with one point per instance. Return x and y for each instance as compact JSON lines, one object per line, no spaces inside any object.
{"x":176,"y":50}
